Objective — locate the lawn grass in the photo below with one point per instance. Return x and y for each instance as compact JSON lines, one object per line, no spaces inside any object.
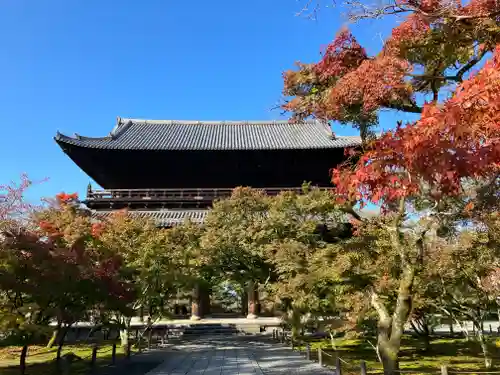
{"x":41,"y":361}
{"x":456,"y":353}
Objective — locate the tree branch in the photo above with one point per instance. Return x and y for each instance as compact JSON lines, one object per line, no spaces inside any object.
{"x":395,"y":9}
{"x":469,"y":65}
{"x":379,"y":307}
{"x":404,"y":107}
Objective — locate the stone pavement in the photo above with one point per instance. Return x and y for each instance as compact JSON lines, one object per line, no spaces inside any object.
{"x":235,"y":355}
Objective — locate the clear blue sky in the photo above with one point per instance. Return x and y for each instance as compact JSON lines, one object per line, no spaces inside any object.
{"x":74,"y":65}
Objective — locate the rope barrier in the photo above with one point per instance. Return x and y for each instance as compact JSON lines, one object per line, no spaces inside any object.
{"x":328,"y":354}
{"x":301,"y":345}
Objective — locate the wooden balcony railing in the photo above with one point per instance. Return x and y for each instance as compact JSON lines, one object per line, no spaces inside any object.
{"x":171,"y":195}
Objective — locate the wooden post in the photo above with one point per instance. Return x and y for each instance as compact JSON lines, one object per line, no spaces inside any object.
{"x":274,"y":333}
{"x":320,"y":357}
{"x":338,"y":367}
{"x":94,"y":356}
{"x":308,"y":352}
{"x":113,"y":354}
{"x":363,"y":367}
{"x":150,"y":337}
{"x":444,"y":370}
{"x":491,"y":329}
{"x":24,"y":354}
{"x":291,"y":341}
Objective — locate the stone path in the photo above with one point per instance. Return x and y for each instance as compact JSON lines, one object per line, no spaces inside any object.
{"x":234,"y":355}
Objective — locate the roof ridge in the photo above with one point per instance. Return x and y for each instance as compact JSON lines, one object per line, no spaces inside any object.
{"x":229,"y":122}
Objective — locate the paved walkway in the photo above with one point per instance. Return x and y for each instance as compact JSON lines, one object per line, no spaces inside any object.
{"x":236,"y":355}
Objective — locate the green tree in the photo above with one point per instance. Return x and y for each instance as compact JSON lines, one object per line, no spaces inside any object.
{"x":462,"y":271}
{"x":233,"y":238}
{"x":298,"y":226}
{"x":152,"y":261}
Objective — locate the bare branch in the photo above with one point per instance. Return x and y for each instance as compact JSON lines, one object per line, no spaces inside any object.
{"x":362,"y":11}
{"x":311,"y":8}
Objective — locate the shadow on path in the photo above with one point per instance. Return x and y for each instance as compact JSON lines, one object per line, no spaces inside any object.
{"x":233,"y":355}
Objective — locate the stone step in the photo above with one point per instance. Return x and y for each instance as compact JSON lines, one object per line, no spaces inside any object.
{"x":209,"y":329}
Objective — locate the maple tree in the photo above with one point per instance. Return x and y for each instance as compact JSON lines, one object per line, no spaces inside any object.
{"x":20,"y":317}
{"x":91,"y":276}
{"x":298,"y":227}
{"x":462,"y":271}
{"x":160,"y":262}
{"x":430,"y":163}
{"x":44,"y":248}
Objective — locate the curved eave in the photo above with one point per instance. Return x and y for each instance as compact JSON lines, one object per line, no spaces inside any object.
{"x":79,"y":140}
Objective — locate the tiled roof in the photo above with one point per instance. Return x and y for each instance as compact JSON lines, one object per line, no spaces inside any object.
{"x":168,"y":218}
{"x":163,"y":218}
{"x":135,"y":134}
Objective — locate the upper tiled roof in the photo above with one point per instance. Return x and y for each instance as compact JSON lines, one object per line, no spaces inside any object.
{"x":162,"y":218}
{"x":135,"y":134}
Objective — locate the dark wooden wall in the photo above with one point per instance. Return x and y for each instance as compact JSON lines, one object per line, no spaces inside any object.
{"x":206,"y":169}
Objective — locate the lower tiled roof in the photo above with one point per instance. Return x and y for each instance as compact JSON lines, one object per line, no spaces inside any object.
{"x":169,"y":218}
{"x":163,"y":218}
{"x":137,"y":134}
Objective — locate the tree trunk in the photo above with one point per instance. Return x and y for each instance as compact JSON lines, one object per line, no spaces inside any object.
{"x":488,"y":360}
{"x":124,"y":337}
{"x":332,"y":342}
{"x":22,"y":359}
{"x":295,"y":315}
{"x":390,"y":357}
{"x":124,"y":329}
{"x":55,"y":335}
{"x":387,"y":349}
{"x":422,"y":331}
{"x":63,"y":331}
{"x":464,"y":329}
{"x":391,"y":328}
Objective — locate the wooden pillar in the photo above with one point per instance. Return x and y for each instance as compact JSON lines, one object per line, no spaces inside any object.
{"x":253,"y":301}
{"x":195,"y":303}
{"x":200,"y":302}
{"x":244,"y":302}
{"x":205,"y":293}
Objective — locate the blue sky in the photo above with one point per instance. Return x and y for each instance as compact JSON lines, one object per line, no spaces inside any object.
{"x":74,"y":66}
